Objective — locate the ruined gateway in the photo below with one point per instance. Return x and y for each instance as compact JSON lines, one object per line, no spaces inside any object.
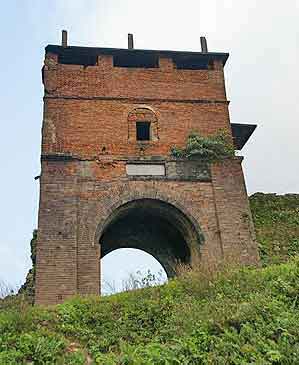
{"x":108,"y":180}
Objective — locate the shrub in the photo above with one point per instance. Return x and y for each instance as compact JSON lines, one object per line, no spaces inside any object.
{"x":212,"y":148}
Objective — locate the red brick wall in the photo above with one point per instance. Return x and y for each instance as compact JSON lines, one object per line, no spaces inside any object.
{"x":87,"y":108}
{"x":107,"y":81}
{"x":84,"y":127}
{"x":233,"y":212}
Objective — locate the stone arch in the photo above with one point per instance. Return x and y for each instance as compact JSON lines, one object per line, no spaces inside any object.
{"x":154,"y":226}
{"x":143,"y":113}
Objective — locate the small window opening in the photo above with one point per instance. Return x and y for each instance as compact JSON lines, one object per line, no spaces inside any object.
{"x":143,"y":131}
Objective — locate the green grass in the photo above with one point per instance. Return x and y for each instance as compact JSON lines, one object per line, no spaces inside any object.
{"x":276,"y":220}
{"x":247,"y":316}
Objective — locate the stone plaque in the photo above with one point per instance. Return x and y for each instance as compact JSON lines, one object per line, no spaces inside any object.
{"x":145,"y":169}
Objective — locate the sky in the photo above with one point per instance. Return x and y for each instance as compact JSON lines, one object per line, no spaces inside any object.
{"x":262,"y":81}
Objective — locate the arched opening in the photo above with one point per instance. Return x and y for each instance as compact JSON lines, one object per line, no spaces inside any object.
{"x":154,"y":226}
{"x":135,"y":269}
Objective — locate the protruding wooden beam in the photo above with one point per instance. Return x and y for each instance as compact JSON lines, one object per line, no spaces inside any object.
{"x":130,"y":41}
{"x":64,"y":38}
{"x":204,"y":45}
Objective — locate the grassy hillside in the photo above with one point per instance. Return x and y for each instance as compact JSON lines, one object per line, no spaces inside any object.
{"x":276,"y":219}
{"x":246,"y":316}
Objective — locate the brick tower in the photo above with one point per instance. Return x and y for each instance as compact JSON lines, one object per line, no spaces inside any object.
{"x":108,"y":180}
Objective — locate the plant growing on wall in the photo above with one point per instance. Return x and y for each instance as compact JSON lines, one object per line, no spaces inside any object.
{"x":211,"y":149}
{"x":28,"y":288}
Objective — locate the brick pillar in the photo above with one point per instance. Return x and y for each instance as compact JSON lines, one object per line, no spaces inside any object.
{"x":56,"y":276}
{"x":165,"y":64}
{"x":88,"y":261}
{"x":234,"y":216}
{"x":217,"y":74}
{"x":106,"y":62}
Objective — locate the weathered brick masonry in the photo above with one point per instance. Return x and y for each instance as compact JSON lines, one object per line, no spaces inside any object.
{"x":102,"y":189}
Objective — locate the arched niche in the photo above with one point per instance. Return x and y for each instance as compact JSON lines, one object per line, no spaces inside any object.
{"x":142,"y":115}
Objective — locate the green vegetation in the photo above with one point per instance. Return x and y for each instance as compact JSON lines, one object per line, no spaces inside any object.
{"x":28,"y":287}
{"x":210,"y":149}
{"x":276,"y":220}
{"x":248,"y":316}
{"x":241,"y":316}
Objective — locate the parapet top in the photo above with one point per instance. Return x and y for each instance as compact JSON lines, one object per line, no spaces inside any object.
{"x":88,"y":56}
{"x":132,"y":57}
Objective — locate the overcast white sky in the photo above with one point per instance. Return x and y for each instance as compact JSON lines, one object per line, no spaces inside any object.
{"x":262,"y":78}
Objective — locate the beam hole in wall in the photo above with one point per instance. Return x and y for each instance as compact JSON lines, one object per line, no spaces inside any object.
{"x":128,"y":269}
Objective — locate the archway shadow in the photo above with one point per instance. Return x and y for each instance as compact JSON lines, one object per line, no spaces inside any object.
{"x":155,"y":227}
